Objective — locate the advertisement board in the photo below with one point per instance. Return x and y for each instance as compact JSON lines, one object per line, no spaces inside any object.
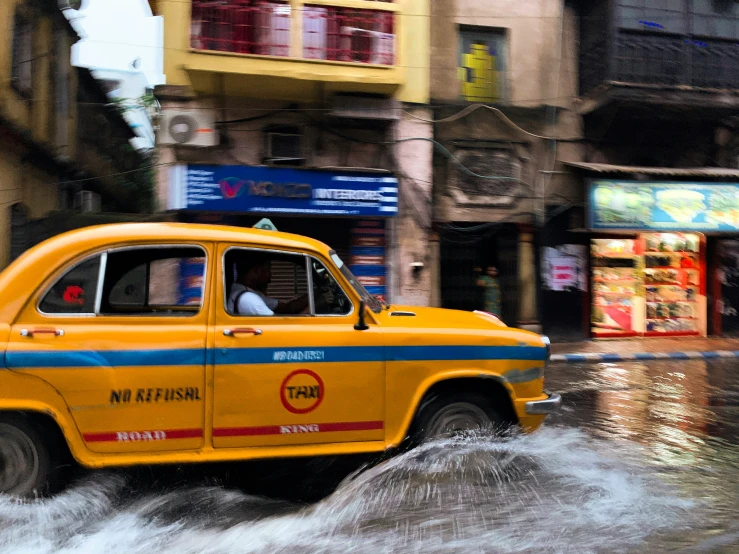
{"x":271,"y":190}
{"x":367,"y":256}
{"x":663,"y":206}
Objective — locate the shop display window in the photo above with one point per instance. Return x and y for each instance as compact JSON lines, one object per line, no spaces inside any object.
{"x":616,"y":270}
{"x":649,"y":285}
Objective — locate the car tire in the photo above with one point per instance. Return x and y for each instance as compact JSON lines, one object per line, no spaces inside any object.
{"x":25,"y":461}
{"x":447,"y":415}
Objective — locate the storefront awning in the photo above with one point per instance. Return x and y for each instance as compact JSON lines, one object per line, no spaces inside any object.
{"x":705,"y":172}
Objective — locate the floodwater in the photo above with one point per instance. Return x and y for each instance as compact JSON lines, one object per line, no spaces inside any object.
{"x":643,"y":458}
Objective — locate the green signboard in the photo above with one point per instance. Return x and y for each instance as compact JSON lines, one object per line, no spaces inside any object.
{"x":664,"y":206}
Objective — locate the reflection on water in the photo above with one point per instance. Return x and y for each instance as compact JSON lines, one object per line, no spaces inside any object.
{"x":685,"y":416}
{"x":642,"y":459}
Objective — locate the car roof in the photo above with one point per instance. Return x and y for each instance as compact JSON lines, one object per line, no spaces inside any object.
{"x":30,"y":268}
{"x":162,"y":231}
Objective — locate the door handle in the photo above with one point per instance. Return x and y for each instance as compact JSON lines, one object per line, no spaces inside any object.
{"x":241,"y":330}
{"x":31,"y":332}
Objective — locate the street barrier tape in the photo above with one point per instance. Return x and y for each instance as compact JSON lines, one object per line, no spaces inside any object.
{"x":644,"y":356}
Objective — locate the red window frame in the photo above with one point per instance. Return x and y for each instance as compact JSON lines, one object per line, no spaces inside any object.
{"x":348,"y":35}
{"x":241,"y":26}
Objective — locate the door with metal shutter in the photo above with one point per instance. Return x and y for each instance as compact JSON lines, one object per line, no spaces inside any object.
{"x":288,"y":279}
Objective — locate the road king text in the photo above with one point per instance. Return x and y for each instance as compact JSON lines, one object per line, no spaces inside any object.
{"x":135,"y":436}
{"x":148,"y":396}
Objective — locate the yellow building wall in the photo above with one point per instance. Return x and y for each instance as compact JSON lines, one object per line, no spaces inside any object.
{"x":300,"y":79}
{"x":22,"y":182}
{"x":21,"y":179}
{"x":35,"y":114}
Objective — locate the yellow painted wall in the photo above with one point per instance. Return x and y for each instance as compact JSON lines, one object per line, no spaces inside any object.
{"x":408,"y":80}
{"x":35,"y":114}
{"x":22,"y":180}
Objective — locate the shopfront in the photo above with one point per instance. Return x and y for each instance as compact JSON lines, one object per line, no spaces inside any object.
{"x":346,"y":210}
{"x":651,"y":272}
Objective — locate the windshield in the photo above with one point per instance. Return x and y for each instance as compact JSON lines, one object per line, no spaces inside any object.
{"x":374,"y":304}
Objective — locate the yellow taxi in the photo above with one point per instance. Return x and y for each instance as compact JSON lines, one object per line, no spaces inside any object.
{"x":176,"y":343}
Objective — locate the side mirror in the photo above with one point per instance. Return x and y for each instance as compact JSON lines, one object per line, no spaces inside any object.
{"x":361,"y":325}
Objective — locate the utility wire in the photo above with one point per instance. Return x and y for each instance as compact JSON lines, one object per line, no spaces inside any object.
{"x":469,"y":110}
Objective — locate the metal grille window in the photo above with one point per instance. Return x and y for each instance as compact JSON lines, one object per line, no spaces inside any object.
{"x":22,"y":70}
{"x":348,"y":35}
{"x":241,"y":26}
{"x":668,"y":16}
{"x":716,"y":18}
{"x":649,"y":59}
{"x":481,"y":69}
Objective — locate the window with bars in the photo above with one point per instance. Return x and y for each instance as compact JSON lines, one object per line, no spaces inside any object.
{"x":348,"y":35}
{"x":716,"y":18}
{"x":241,"y":26}
{"x":263,"y":27}
{"x":667,"y":16}
{"x":22,"y":68}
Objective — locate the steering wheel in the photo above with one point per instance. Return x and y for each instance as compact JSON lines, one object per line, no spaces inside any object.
{"x":322,"y":283}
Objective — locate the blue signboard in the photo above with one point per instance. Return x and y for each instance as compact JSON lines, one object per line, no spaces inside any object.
{"x":664,"y":206}
{"x":268,"y":190}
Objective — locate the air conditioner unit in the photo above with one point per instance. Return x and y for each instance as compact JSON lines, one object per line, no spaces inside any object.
{"x":187,"y":128}
{"x":87,"y":201}
{"x":284,"y":148}
{"x":364,"y":108}
{"x":380,"y":47}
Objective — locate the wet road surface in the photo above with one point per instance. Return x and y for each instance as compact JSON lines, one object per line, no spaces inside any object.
{"x":643,"y":458}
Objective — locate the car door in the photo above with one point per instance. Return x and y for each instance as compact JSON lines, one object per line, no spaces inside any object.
{"x":121,"y":334}
{"x":295,"y":379}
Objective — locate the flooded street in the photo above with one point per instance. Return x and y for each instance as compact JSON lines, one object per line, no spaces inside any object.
{"x":643,"y":458}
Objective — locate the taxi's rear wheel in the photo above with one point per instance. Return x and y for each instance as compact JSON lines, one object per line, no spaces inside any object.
{"x":445,"y":416}
{"x":25,"y":465}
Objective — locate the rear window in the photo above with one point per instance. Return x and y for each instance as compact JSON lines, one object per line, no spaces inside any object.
{"x":138,"y":281}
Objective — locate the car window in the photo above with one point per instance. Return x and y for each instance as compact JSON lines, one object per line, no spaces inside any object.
{"x":330,"y":298}
{"x":75,"y":291}
{"x":154,"y":281}
{"x":262,"y":283}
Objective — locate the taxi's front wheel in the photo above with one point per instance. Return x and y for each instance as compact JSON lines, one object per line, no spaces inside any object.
{"x":449,"y":415}
{"x":25,"y":465}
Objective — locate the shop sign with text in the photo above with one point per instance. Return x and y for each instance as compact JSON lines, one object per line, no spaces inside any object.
{"x":642,"y":205}
{"x":269,"y":190}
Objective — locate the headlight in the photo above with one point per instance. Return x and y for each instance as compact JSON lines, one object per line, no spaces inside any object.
{"x":548,"y":345}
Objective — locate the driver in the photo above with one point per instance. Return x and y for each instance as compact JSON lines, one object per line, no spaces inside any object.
{"x":247,"y":297}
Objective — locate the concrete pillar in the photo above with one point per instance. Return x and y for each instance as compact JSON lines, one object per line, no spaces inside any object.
{"x":527,"y":315}
{"x":434,"y":270}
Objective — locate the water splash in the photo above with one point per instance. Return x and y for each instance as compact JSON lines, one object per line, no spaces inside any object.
{"x":556,"y":490}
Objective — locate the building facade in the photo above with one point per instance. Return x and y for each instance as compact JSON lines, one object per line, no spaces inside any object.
{"x":311,"y":114}
{"x":59,"y":143}
{"x":503,"y":85}
{"x":659,"y":86}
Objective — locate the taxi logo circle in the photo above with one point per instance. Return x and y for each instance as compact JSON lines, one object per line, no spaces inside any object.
{"x":302,"y":391}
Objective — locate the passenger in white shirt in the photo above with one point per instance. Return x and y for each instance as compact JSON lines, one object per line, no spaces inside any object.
{"x":246,"y":297}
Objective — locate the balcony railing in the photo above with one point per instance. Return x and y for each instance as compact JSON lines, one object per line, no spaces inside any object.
{"x":263,"y":27}
{"x":241,"y":27}
{"x":348,"y":35}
